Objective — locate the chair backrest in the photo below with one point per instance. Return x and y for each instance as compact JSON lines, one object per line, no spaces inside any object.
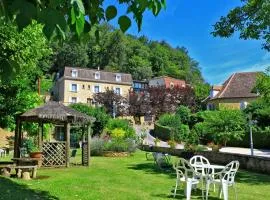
{"x":230,"y":172}
{"x":200,"y":164}
{"x":199,"y":160}
{"x":184,"y":168}
{"x":73,"y":153}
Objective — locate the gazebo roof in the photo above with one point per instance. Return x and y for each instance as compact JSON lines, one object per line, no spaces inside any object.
{"x":55,"y":112}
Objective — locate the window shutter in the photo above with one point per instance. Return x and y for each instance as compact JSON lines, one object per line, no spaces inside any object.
{"x":78,"y":87}
{"x":120,"y":91}
{"x":70,"y":87}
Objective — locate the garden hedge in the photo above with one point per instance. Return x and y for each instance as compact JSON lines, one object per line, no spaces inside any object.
{"x":161,"y":132}
{"x":260,"y":140}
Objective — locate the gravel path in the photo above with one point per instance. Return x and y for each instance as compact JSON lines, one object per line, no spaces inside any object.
{"x":149,"y":140}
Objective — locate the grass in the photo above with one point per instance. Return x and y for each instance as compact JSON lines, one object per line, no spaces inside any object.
{"x":118,"y":178}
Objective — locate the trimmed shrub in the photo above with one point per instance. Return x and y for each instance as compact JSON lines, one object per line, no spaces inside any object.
{"x":181,"y":133}
{"x":120,"y":145}
{"x":122,"y":124}
{"x":161,"y":132}
{"x":169,"y":120}
{"x":184,"y":114}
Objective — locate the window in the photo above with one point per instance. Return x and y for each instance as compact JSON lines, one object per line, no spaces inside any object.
{"x":243,"y":105}
{"x":97,"y":75}
{"x":117,"y":91}
{"x":118,"y":77}
{"x":74,"y":73}
{"x":73,"y":99}
{"x":89,"y":87}
{"x":74,"y":87}
{"x":96,"y":89}
{"x":82,"y":86}
{"x":89,"y":100}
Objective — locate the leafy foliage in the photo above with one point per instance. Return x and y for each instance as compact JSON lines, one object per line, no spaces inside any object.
{"x":251,"y":20}
{"x":78,"y":16}
{"x":222,"y":126}
{"x":98,"y":112}
{"x":184,"y":114}
{"x":159,"y":100}
{"x":178,"y":131}
{"x":110,"y":100}
{"x":120,"y":124}
{"x":29,"y":48}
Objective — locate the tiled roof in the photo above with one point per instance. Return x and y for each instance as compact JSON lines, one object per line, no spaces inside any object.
{"x":239,"y":85}
{"x":89,"y":74}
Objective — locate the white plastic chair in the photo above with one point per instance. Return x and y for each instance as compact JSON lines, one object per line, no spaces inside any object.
{"x":224,"y":179}
{"x":200,"y":163}
{"x":186,"y":173}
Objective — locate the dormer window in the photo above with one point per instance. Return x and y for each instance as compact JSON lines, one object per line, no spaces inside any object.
{"x":118,"y":77}
{"x":74,"y":73}
{"x":97,"y":75}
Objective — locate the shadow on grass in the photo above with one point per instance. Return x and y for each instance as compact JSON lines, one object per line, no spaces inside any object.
{"x":195,"y":194}
{"x":152,"y":168}
{"x":15,"y":191}
{"x":252,"y":178}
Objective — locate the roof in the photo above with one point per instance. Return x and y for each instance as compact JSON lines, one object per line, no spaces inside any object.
{"x":56,"y":112}
{"x":89,"y":74}
{"x":168,"y":80}
{"x":238,"y":85}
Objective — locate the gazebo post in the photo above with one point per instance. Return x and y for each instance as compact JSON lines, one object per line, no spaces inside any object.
{"x":89,"y":131}
{"x":19,"y":138}
{"x":67,"y":137}
{"x":16,"y":139}
{"x":40,"y":134}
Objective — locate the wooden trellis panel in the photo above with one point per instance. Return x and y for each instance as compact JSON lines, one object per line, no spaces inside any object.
{"x":54,"y":154}
{"x":85,"y":158}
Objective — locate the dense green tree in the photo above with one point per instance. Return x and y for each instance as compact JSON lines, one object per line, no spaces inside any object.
{"x":70,"y":54}
{"x":19,"y":92}
{"x":79,"y":17}
{"x":97,"y":112}
{"x":251,"y":19}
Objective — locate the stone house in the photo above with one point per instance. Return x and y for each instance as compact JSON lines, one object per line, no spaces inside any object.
{"x":235,"y":93}
{"x":78,"y":85}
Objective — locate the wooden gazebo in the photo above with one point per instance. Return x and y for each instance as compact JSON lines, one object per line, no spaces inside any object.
{"x":55,"y":153}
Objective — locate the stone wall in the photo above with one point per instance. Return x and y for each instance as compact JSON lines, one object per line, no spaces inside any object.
{"x":251,"y":163}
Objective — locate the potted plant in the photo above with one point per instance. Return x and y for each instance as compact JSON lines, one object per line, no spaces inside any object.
{"x":35,"y":152}
{"x":32,"y":149}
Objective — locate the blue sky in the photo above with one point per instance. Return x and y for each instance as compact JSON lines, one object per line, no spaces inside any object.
{"x":188,"y":23}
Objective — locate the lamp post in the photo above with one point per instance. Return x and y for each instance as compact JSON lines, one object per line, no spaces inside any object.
{"x":250,"y":133}
{"x":114,"y":109}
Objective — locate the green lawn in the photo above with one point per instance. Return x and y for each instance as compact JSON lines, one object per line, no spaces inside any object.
{"x":118,"y":178}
